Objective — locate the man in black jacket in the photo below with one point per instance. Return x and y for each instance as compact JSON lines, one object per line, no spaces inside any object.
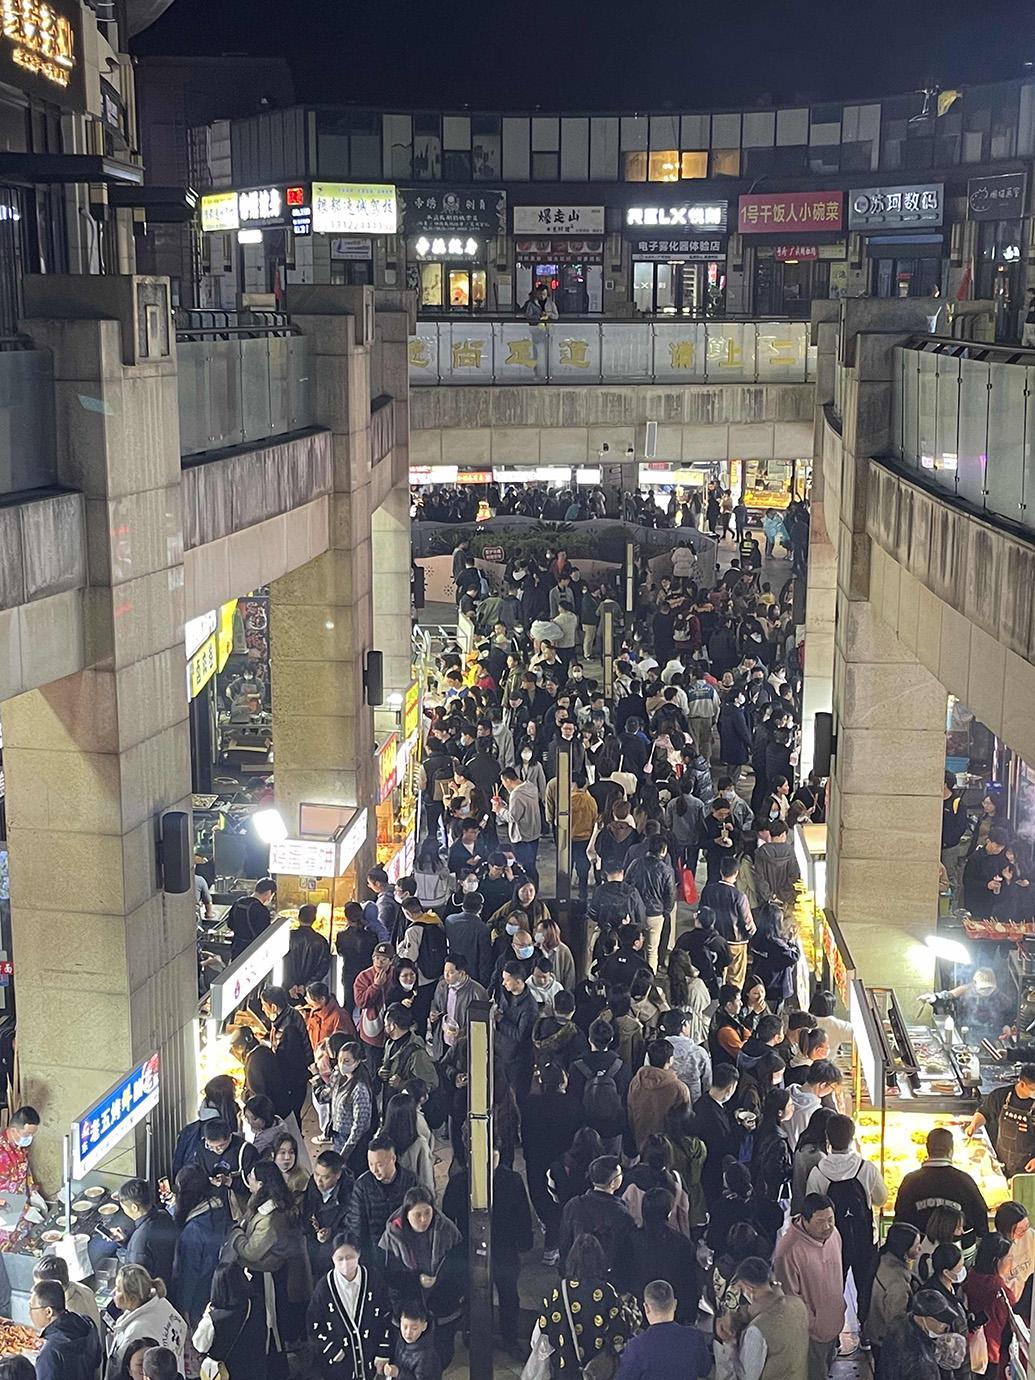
{"x":308,"y":956}
{"x":715,"y":1125}
{"x":516,"y":1014}
{"x":377,"y":1195}
{"x":325,"y":1209}
{"x":653,"y":878}
{"x":226,"y":1158}
{"x":615,"y":901}
{"x":250,"y":916}
{"x":155,"y":1234}
{"x":289,"y":1041}
{"x":262,"y":1072}
{"x":71,"y":1347}
{"x":601,"y":1213}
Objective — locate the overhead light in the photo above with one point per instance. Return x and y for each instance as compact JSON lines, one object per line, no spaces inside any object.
{"x":249,"y":237}
{"x":949,"y":949}
{"x":270,"y":826}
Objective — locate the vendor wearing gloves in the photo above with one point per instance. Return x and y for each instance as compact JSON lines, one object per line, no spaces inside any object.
{"x":978,"y":1005}
{"x":1008,"y":1114}
{"x":18,"y":1194}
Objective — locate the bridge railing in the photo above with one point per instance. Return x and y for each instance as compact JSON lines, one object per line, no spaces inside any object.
{"x":575,"y":352}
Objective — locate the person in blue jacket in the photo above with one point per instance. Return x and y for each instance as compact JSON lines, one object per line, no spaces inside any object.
{"x":204,"y":1221}
{"x":666,"y":1347}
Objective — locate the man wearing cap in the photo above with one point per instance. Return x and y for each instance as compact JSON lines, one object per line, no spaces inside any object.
{"x":908,"y":1352}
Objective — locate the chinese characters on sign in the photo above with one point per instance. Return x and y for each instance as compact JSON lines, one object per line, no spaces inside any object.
{"x":560,"y":251}
{"x":411,"y":710}
{"x":996,"y":198}
{"x":420,"y":352}
{"x":877,"y":206}
{"x":219,"y":211}
{"x":784,"y":252}
{"x":42,"y":41}
{"x":256,"y":964}
{"x":304,"y":857}
{"x":387,"y":767}
{"x":265,"y":204}
{"x":460,"y":210}
{"x":455,"y":247}
{"x":665,"y":247}
{"x":354,"y":208}
{"x":98,"y":1131}
{"x":767,"y":212}
{"x":711,"y":216}
{"x":558,"y":220}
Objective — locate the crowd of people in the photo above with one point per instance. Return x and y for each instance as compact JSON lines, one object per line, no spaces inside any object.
{"x":672,"y":1149}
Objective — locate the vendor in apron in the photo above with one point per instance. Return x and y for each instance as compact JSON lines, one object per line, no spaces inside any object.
{"x":1009,"y":1115}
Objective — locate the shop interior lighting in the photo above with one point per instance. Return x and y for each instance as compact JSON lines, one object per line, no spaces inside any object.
{"x":395,"y":700}
{"x":270,"y":826}
{"x":951,"y":950}
{"x":249,"y":237}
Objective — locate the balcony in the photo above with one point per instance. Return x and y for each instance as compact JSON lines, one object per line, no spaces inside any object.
{"x":575,"y":352}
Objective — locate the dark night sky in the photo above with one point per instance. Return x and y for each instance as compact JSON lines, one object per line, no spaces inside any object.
{"x":611,"y":54}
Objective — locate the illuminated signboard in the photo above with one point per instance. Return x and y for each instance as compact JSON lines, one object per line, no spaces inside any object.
{"x":411,"y":711}
{"x":237,"y":982}
{"x":782,"y":213}
{"x":709,"y":215}
{"x":97,"y":1132}
{"x":258,"y":207}
{"x":387,"y":767}
{"x":209,"y":641}
{"x":558,"y":220}
{"x":219,"y":211}
{"x":352,"y":841}
{"x":304,"y":857}
{"x":41,"y":49}
{"x":354,"y":208}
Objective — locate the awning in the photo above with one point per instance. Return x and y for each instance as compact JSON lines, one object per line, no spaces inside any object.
{"x":162,"y":205}
{"x":29,"y":169}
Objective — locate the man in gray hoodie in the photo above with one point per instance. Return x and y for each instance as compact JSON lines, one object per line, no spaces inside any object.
{"x":776,"y":867}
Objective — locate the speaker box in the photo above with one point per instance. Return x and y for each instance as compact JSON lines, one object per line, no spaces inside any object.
{"x":176,"y":856}
{"x":823,"y":743}
{"x":374,"y":678}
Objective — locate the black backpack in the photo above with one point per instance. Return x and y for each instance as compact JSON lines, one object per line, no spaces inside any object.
{"x":601,"y":1102}
{"x":431,"y":956}
{"x":852,"y":1213}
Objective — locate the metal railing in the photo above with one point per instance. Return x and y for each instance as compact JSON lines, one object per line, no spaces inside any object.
{"x":218,"y":323}
{"x":238,"y":387}
{"x":963,"y":418}
{"x":28,"y":453}
{"x":580,"y":352}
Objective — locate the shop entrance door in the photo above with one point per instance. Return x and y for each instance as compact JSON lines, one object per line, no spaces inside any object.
{"x":673,"y":288}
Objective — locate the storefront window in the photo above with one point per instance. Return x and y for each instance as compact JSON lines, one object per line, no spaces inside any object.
{"x":664,"y":167}
{"x":643,"y":287}
{"x":459,"y":287}
{"x":695,"y":164}
{"x":725,"y":162}
{"x":478,"y":288}
{"x":431,"y":285}
{"x":635,"y":167}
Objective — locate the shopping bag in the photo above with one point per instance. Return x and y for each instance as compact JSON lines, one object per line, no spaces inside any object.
{"x":537,"y":1367}
{"x":977,"y":1344}
{"x":688,"y":885}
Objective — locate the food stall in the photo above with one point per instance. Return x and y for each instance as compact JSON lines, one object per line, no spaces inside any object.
{"x":262,"y":960}
{"x":914,"y":1077}
{"x":398,"y":790}
{"x":85,"y":1224}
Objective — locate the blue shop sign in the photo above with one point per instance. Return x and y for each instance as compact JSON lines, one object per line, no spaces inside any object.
{"x":98,"y":1131}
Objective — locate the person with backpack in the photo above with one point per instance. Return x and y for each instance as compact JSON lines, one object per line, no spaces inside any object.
{"x":599,"y":1083}
{"x":602,"y":1214}
{"x":423,"y":942}
{"x":855,"y":1187}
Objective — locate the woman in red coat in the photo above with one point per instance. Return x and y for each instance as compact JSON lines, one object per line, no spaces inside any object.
{"x":985,"y":1292}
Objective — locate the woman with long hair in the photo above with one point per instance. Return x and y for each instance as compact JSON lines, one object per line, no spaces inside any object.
{"x":269,"y":1242}
{"x":238,"y":1320}
{"x":771,"y":1155}
{"x":218,"y":1102}
{"x":945,"y":1226}
{"x":985,"y":1292}
{"x":426,"y":1264}
{"x":203,"y":1218}
{"x":127,"y":1364}
{"x":655,"y":1171}
{"x":411,"y":1149}
{"x":774,"y":954}
{"x":811,"y":1147}
{"x":526,"y":900}
{"x":284,"y":1154}
{"x":354,"y":944}
{"x":353,"y":1107}
{"x":894,"y":1284}
{"x":582,"y":1316}
{"x":548,"y":942}
{"x":568,"y":1176}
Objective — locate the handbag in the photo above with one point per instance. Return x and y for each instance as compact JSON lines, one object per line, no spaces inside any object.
{"x":977,"y":1345}
{"x":604,"y":1365}
{"x":537,"y":1367}
{"x":371,"y":1026}
{"x":688,"y":885}
{"x":205,"y":1332}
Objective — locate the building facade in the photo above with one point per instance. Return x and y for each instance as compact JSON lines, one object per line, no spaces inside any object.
{"x":756,"y":212}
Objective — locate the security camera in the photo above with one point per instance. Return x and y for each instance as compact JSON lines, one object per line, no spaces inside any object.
{"x":604,"y":448}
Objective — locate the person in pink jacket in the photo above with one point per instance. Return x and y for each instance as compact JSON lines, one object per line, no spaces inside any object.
{"x":807,"y":1262}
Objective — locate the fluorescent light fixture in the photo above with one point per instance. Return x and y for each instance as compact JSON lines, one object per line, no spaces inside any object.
{"x":949,"y":949}
{"x":249,"y":237}
{"x":269,"y":826}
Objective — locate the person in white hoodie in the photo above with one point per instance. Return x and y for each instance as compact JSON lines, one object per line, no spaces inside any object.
{"x":690,"y":1060}
{"x":856,"y":1188}
{"x":820,"y":1082}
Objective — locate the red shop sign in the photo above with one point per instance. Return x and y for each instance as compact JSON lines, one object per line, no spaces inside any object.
{"x":770,"y":212}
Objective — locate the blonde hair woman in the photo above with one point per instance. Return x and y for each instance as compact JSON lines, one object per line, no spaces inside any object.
{"x":146,"y":1313}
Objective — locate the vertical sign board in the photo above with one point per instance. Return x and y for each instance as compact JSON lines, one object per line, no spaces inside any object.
{"x":97,"y":1132}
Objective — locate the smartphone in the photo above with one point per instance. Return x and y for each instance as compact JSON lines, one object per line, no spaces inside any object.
{"x":164,"y":1188}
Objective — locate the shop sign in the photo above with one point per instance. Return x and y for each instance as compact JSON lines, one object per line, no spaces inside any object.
{"x":411,"y":703}
{"x":453,"y":247}
{"x":494,"y":553}
{"x":387,"y":767}
{"x":202,"y":666}
{"x":558,"y":220}
{"x":768,"y":213}
{"x":219,"y":211}
{"x":473,"y":476}
{"x":312,"y":857}
{"x":460,"y":210}
{"x":354,"y":208}
{"x":709,"y":215}
{"x":401,"y":864}
{"x":41,"y":50}
{"x":996,"y":198}
{"x":352,"y":841}
{"x":97,"y":1132}
{"x":352,"y":247}
{"x":665,"y":247}
{"x":198,"y":630}
{"x":225,"y":633}
{"x":235,"y":983}
{"x":786,"y":252}
{"x":559,"y":251}
{"x":873,"y":207}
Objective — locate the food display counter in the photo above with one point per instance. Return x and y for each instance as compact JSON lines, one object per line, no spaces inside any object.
{"x":897,"y":1142}
{"x":262,"y":961}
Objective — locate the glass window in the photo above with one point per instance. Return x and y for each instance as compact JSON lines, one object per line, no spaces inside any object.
{"x":431,"y":285}
{"x":478,"y":289}
{"x":457,"y":165}
{"x":427,"y":148}
{"x":695,"y":164}
{"x":635,"y":167}
{"x":545,"y":167}
{"x":663,"y":167}
{"x":485,"y":146}
{"x":643,"y":287}
{"x":666,"y":291}
{"x":459,"y":288}
{"x":725,"y":162}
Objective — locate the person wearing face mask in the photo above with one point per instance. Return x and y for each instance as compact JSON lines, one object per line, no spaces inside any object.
{"x":894,"y":1284}
{"x":948,"y":1276}
{"x":17,"y":1189}
{"x":734,"y":735}
{"x":912,"y":1349}
{"x":349,"y":1318}
{"x":521,"y":951}
{"x":524,"y":908}
{"x":423,"y":943}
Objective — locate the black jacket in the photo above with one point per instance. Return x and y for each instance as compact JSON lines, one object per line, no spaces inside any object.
{"x":153,"y":1244}
{"x":331,"y":1217}
{"x":548,"y":1125}
{"x":371,"y":1206}
{"x":294,"y":1054}
{"x":511,"y":1211}
{"x":247,"y":919}
{"x":264,"y":1077}
{"x":611,"y":902}
{"x":668,"y":1254}
{"x":709,"y":953}
{"x":609,"y":1220}
{"x":468,"y":936}
{"x":514,"y":1030}
{"x":308,"y":958}
{"x":71,"y":1349}
{"x":653,"y":878}
{"x":715,"y":1126}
